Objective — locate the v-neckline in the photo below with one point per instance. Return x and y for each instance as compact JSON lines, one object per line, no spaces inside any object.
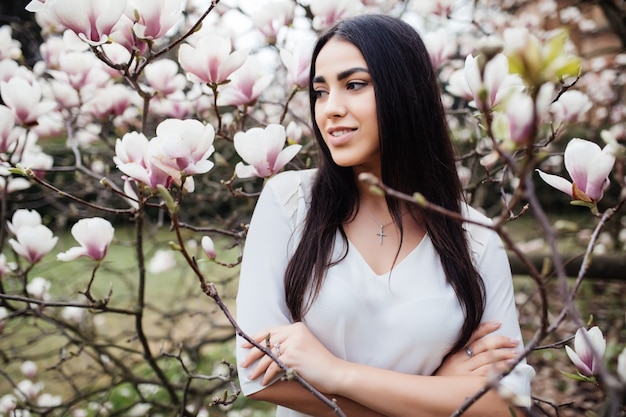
{"x":398,"y":263}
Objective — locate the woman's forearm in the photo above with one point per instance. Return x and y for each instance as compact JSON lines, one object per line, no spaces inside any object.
{"x":292,"y":395}
{"x":396,"y":394}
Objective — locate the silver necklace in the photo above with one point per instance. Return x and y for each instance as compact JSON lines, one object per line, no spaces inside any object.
{"x":381,"y":226}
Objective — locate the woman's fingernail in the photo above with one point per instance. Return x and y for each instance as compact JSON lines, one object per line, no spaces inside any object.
{"x":496,"y":323}
{"x":514,"y":341}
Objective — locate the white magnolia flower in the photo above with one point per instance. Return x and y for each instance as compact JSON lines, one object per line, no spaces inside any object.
{"x":263,"y":150}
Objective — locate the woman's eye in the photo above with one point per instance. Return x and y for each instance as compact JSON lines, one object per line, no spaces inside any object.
{"x":319,"y":93}
{"x":356,"y":85}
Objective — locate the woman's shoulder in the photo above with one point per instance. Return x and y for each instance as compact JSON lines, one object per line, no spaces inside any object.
{"x":288,"y":183}
{"x":291,"y":189}
{"x":478,"y":229}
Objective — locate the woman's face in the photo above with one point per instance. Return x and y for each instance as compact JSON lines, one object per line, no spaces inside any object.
{"x":345,"y":106}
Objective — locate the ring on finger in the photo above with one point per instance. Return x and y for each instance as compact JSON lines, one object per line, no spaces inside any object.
{"x":277,"y":348}
{"x":469,"y":351}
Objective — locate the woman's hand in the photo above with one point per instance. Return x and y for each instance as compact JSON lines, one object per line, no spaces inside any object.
{"x":299,"y":350}
{"x":483,"y":354}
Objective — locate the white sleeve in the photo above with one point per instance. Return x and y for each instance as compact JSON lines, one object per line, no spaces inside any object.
{"x":495,"y":270}
{"x":261,"y":298}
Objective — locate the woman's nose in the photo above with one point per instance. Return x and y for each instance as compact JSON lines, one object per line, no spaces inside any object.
{"x":334,"y":106}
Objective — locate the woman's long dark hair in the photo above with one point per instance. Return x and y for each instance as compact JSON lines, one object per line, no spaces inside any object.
{"x":416,"y":155}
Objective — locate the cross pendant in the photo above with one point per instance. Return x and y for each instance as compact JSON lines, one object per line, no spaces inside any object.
{"x":380,"y":234}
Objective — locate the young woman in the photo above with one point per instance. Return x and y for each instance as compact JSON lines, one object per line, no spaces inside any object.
{"x":375,"y":302}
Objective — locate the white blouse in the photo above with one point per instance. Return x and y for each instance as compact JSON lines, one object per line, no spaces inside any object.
{"x":404,"y":321}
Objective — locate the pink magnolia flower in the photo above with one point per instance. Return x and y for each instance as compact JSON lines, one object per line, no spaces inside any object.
{"x":33,"y":242}
{"x":4,"y":267}
{"x":8,"y":132}
{"x":29,"y":369}
{"x":123,"y":35}
{"x":162,"y":261}
{"x":270,"y":17}
{"x":588,"y":166}
{"x":23,"y":217}
{"x":163,"y":76}
{"x":9,"y":47}
{"x":621,"y":365}
{"x":490,"y":88}
{"x":437,"y":7}
{"x":185,"y":146}
{"x":298,"y":64}
{"x":211,"y":60}
{"x":263,"y":150}
{"x":24,"y":98}
{"x":328,"y":12}
{"x":94,"y":236}
{"x":208,"y":247}
{"x":588,"y":351}
{"x":571,"y":107}
{"x":440,"y":47}
{"x":246,"y":86}
{"x":516,"y":123}
{"x":91,"y":20}
{"x":3,"y":315}
{"x":156,"y":17}
{"x":113,"y":100}
{"x":133,"y":157}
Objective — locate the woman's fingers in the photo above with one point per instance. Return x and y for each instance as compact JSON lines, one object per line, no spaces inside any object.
{"x":492,"y":343}
{"x":483,"y":330}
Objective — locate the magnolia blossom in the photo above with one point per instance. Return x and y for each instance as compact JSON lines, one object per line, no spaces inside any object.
{"x":33,"y":242}
{"x":185,"y":146}
{"x":208,"y":247}
{"x":263,"y":150}
{"x":38,"y":288}
{"x":24,"y":98}
{"x":91,"y":20}
{"x":570,"y":107}
{"x":589,"y":346}
{"x":486,"y":89}
{"x":28,"y":369}
{"x":270,"y":17}
{"x":94,"y":235}
{"x":9,"y":47}
{"x":73,"y":314}
{"x":11,"y":184}
{"x":440,"y":47}
{"x":180,"y":149}
{"x":516,"y":123}
{"x":162,"y":261}
{"x":46,"y":400}
{"x":621,"y":365}
{"x":8,"y":133}
{"x":294,"y":132}
{"x":122,"y":34}
{"x":537,"y":61}
{"x":298,"y":64}
{"x":3,"y":315}
{"x":246,"y":85}
{"x":163,"y":76}
{"x":210,"y":61}
{"x":588,"y":166}
{"x":27,"y":389}
{"x":327,"y":12}
{"x":156,"y":17}
{"x":4,"y":266}
{"x":133,"y":157}
{"x":438,"y":7}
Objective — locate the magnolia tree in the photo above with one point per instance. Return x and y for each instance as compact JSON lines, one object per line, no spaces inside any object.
{"x":145,"y":122}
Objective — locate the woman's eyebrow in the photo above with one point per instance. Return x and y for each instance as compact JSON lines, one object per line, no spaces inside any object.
{"x":342,"y":75}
